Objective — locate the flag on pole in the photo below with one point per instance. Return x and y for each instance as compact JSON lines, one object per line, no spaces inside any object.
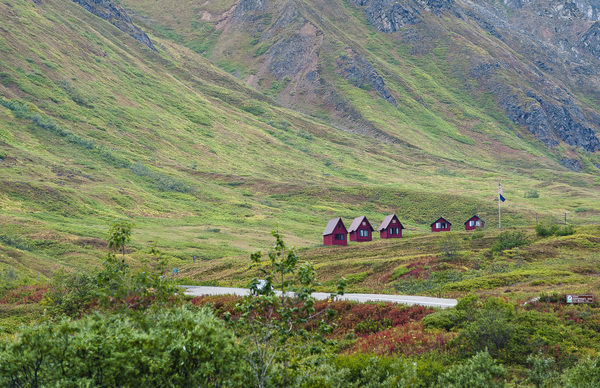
{"x":500,"y":192}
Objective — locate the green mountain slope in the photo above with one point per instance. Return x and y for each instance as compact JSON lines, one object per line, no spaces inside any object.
{"x":96,"y":125}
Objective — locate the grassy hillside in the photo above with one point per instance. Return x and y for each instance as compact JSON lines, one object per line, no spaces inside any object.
{"x":94,"y":125}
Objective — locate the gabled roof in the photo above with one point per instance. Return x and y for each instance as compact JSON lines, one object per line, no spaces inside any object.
{"x":357,"y":222}
{"x":475,"y":216}
{"x":331,"y":226}
{"x":386,"y":222}
{"x":441,"y":219}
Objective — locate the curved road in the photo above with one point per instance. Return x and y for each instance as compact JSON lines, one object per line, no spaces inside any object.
{"x":404,"y":299}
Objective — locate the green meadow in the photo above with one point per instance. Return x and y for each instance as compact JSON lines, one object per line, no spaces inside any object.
{"x":97,"y":127}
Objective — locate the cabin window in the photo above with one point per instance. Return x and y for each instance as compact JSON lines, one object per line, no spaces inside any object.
{"x":364,"y":233}
{"x":393,"y":221}
{"x":471,"y":223}
{"x":478,"y":223}
{"x":339,"y":236}
{"x":438,"y":225}
{"x":394,"y":231}
{"x":364,"y":223}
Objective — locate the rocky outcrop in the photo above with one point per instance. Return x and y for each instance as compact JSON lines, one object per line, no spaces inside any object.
{"x":550,"y":120}
{"x":247,"y":8}
{"x":590,"y":42}
{"x":390,"y":16}
{"x":116,"y":16}
{"x":550,"y":112}
{"x":358,"y":70}
{"x":289,"y":56}
{"x":572,"y":164}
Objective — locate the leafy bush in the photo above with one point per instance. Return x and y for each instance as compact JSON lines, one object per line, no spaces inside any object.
{"x":451,"y":318}
{"x":546,"y":229}
{"x":509,"y":239}
{"x":565,"y":230}
{"x":254,"y":109}
{"x":481,"y":371}
{"x":542,"y":370}
{"x":177,"y":348}
{"x":370,"y":371}
{"x":490,"y":328}
{"x":71,"y":294}
{"x":305,"y":134}
{"x":586,"y":373}
{"x":531,"y":193}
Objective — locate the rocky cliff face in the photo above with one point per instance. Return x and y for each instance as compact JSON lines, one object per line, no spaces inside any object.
{"x":551,"y":34}
{"x":358,"y":70}
{"x":116,"y":16}
{"x":533,"y":57}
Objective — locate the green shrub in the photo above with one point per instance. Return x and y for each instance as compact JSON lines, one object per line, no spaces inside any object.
{"x":564,"y":230}
{"x":402,"y":270}
{"x":531,"y":193}
{"x":541,"y":371}
{"x":509,"y":239}
{"x":372,"y":371}
{"x":586,"y":373}
{"x":450,"y":244}
{"x":71,"y":294}
{"x":176,"y":348}
{"x":490,"y":329}
{"x":546,"y":229}
{"x":445,"y":319}
{"x":481,"y":371}
{"x":477,"y":234}
{"x":254,"y":109}
{"x":305,"y":134}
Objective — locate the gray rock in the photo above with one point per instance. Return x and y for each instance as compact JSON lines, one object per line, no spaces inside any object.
{"x":358,"y":70}
{"x":572,"y":164}
{"x":388,"y":16}
{"x":590,"y":41}
{"x":247,"y":9}
{"x":116,"y":16}
{"x":289,"y":56}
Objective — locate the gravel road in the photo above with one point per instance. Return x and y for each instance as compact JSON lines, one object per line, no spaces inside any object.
{"x":404,"y":299}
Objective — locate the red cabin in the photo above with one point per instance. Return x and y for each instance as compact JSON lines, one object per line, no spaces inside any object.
{"x":441,"y":225}
{"x":361,"y":230}
{"x":474,"y":223}
{"x":335,"y":233}
{"x":390,"y":227}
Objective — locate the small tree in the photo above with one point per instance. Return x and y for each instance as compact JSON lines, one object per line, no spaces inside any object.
{"x":450,"y":245}
{"x":119,"y":234}
{"x":276,"y":327}
{"x":119,"y":287}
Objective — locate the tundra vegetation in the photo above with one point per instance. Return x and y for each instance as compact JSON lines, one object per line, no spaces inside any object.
{"x":120,"y":325}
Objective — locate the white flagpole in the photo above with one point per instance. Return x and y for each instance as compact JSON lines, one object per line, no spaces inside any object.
{"x":499,"y":219}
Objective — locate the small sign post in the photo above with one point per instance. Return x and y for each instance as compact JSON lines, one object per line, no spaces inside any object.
{"x":575,"y":299}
